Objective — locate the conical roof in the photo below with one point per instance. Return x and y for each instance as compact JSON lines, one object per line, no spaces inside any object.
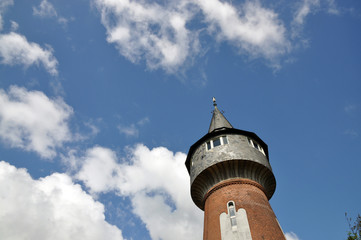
{"x":218,"y":121}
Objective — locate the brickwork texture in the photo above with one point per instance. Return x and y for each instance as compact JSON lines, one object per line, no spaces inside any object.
{"x":246,"y":194}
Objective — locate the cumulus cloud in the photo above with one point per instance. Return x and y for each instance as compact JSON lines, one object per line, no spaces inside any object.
{"x":256,"y":30}
{"x":142,"y":30}
{"x":291,"y":236}
{"x":155,"y":181}
{"x":16,"y":50}
{"x":49,"y":208}
{"x":161,"y":34}
{"x":31,"y":121}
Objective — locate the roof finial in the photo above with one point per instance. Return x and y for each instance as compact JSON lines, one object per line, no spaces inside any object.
{"x":214,"y":102}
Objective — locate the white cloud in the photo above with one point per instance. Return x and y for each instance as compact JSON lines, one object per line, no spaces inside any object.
{"x":4,"y":4}
{"x":142,"y":30}
{"x":291,"y":236}
{"x":31,"y":121}
{"x":132,"y":130}
{"x":304,"y":9}
{"x":350,"y":108}
{"x":162,"y":36}
{"x":156,"y":181}
{"x":307,"y":7}
{"x":49,"y":208}
{"x":16,"y":50}
{"x":332,"y":8}
{"x":45,"y":9}
{"x":143,"y":121}
{"x":14,"y":26}
{"x":253,"y":28}
{"x":351,"y":132}
{"x":99,"y":169}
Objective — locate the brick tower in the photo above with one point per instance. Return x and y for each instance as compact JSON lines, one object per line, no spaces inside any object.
{"x":232,"y":181}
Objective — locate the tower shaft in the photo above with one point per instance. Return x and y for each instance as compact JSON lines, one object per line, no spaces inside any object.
{"x":248,"y":195}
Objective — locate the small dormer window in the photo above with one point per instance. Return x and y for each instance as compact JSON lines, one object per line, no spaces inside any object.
{"x":256,"y":145}
{"x":218,"y":141}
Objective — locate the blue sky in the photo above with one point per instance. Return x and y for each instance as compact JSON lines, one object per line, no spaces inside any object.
{"x":100,"y":101}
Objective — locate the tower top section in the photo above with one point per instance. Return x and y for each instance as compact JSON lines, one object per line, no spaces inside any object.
{"x":220,"y":126}
{"x":218,"y":122}
{"x":226,"y":153}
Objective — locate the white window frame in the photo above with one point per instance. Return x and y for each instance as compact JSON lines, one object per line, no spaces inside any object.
{"x":221,"y":140}
{"x":259,"y":147}
{"x":231,"y":208}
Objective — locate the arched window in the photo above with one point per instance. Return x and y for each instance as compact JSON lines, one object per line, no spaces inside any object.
{"x":232,"y":214}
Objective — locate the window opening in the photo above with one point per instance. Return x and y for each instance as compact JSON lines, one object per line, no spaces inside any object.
{"x":209,"y":145}
{"x":255,"y":145}
{"x":216,"y":142}
{"x":232,"y":214}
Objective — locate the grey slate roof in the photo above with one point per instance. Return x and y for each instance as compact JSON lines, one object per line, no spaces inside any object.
{"x":218,"y":121}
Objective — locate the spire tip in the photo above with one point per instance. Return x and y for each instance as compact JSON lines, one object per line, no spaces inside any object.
{"x":214,"y":101}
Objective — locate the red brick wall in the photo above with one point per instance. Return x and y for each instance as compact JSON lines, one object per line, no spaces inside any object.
{"x":246,"y":194}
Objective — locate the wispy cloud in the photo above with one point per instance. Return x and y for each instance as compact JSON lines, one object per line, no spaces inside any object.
{"x":350,"y":108}
{"x":132,"y":129}
{"x":291,"y":236}
{"x":351,"y":132}
{"x":47,"y":10}
{"x":306,"y":7}
{"x":143,"y":121}
{"x":332,"y":7}
{"x":14,"y":26}
{"x":4,"y":4}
